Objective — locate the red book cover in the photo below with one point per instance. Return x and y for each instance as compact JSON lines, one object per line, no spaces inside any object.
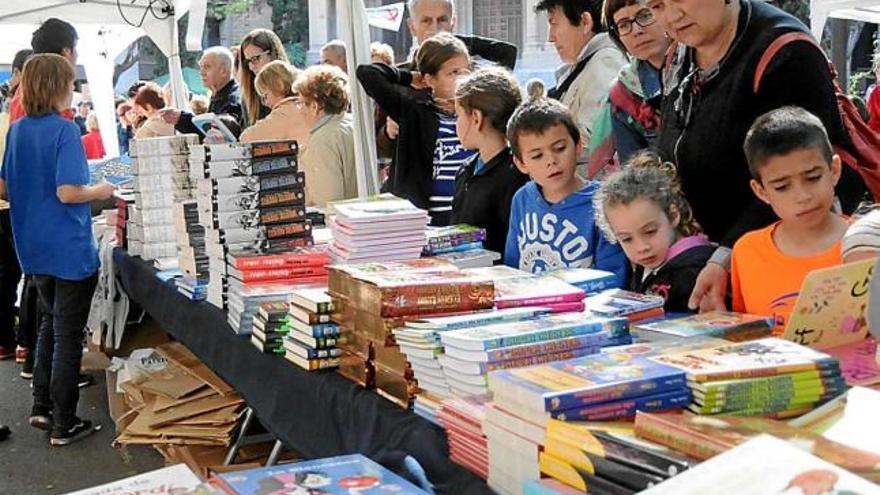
{"x":404,"y":294}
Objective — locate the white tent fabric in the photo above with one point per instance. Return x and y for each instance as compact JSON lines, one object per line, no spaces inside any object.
{"x":856,"y":10}
{"x":356,"y":35}
{"x":103,"y":34}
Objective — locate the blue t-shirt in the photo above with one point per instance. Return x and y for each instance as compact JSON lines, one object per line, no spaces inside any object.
{"x":449,"y":156}
{"x":544,"y":237}
{"x":51,"y":238}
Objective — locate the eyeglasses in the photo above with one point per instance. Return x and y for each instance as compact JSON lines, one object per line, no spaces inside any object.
{"x":256,"y":58}
{"x":643,"y":18}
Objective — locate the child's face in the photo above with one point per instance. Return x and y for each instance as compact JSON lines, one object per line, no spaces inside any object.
{"x":467,"y":126}
{"x":444,"y":82}
{"x":550,"y":159}
{"x":798,"y":186}
{"x":644,"y":231}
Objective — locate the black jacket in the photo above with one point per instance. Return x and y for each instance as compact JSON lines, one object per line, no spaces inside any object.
{"x":707,"y":144}
{"x":483,"y":200}
{"x":225,"y":101}
{"x":675,"y":279}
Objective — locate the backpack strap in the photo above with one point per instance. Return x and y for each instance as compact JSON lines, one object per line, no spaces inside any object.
{"x":774,"y":48}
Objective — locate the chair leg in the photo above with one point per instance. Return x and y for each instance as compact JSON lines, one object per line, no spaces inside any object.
{"x":276,"y":451}
{"x":239,"y":439}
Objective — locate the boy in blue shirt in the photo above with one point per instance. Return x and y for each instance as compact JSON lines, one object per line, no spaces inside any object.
{"x":551,"y":219}
{"x":45,"y":177}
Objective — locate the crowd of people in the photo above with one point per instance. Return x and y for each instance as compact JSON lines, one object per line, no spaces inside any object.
{"x":671,"y":151}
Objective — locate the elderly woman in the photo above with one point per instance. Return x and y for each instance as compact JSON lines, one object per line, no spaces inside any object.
{"x":257,"y":49}
{"x":327,"y":133}
{"x":274,"y":84}
{"x":147,"y":103}
{"x":710,"y":101}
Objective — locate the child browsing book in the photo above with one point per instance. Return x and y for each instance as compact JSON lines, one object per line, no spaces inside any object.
{"x":794,"y":171}
{"x":641,"y":207}
{"x":551,"y":218}
{"x":486,"y":183}
{"x":46,"y":179}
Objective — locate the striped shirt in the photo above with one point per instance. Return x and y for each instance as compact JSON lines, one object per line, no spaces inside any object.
{"x":449,"y":156}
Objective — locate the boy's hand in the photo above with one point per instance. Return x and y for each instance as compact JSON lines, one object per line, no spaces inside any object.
{"x":710,"y":289}
{"x":104,"y":190}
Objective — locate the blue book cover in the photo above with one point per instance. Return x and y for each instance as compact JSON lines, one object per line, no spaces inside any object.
{"x":589,"y":280}
{"x":583,"y":381}
{"x":618,"y":409}
{"x":342,"y":475}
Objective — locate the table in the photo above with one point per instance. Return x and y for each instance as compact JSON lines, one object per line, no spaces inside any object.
{"x":316,"y":414}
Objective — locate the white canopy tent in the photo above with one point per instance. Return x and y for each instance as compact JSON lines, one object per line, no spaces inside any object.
{"x":104,"y":33}
{"x":855,"y":10}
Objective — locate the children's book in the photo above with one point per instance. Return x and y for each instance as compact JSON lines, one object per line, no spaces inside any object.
{"x":619,"y":302}
{"x":765,"y":466}
{"x":170,"y":480}
{"x":583,"y":381}
{"x":858,"y":362}
{"x":534,"y":291}
{"x":764,"y":357}
{"x":831,"y":309}
{"x":720,"y":324}
{"x":477,"y":319}
{"x":589,"y":280}
{"x":342,"y":475}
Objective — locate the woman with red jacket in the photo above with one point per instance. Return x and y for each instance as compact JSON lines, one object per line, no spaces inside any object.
{"x":92,"y":142}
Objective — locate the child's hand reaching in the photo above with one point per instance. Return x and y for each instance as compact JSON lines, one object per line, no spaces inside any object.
{"x":710,"y":289}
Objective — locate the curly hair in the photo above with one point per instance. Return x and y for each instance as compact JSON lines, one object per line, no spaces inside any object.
{"x":494,"y":92}
{"x":325,"y":85}
{"x":645,"y":176}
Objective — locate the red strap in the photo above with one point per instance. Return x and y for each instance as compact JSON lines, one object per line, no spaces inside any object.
{"x":775,"y":47}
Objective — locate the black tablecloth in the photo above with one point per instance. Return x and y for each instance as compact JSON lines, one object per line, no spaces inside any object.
{"x":316,"y":414}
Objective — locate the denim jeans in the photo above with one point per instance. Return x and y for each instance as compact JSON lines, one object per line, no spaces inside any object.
{"x":64,"y":308}
{"x":10,"y":275}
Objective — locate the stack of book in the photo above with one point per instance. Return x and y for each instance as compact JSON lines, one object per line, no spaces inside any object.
{"x":254,"y":278}
{"x":463,"y":421}
{"x":461,"y":245}
{"x":384,"y":228}
{"x":250,"y":197}
{"x":593,"y":388}
{"x":160,"y":166}
{"x":470,"y":354}
{"x":634,"y":306}
{"x":371,"y":301}
{"x":268,"y":333}
{"x":544,"y":291}
{"x":311,"y":338}
{"x":735,"y":327}
{"x":767,"y":377}
{"x":192,"y":259}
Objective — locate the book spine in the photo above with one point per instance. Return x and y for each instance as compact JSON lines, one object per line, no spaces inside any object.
{"x":764,"y":384}
{"x":608,"y":469}
{"x":538,"y":301}
{"x":430,"y":298}
{"x":679,"y":441}
{"x":453,"y":248}
{"x":615,"y":392}
{"x":624,"y":408}
{"x":614,"y":327}
{"x":319,"y":331}
{"x":539,"y":359}
{"x":280,"y":261}
{"x":790,"y":392}
{"x":545,"y":347}
{"x":762,"y":372}
{"x":280,"y":274}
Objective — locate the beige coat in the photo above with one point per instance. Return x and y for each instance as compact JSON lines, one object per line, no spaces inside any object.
{"x":328,"y":161}
{"x":154,"y":126}
{"x":277,"y":125}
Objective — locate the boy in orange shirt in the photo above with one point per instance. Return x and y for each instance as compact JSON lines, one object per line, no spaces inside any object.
{"x":794,"y":171}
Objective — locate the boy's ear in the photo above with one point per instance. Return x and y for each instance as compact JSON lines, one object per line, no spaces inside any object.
{"x":836,"y":165}
{"x":520,"y":165}
{"x":759,"y":191}
{"x":477,"y":119}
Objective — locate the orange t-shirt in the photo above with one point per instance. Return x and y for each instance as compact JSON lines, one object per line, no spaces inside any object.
{"x":766,"y":281}
{"x":17,"y":111}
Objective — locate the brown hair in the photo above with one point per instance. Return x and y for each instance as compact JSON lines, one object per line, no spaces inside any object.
{"x":45,"y":80}
{"x":150,"y":95}
{"x":276,"y":77}
{"x":494,"y":92}
{"x":437,"y":50}
{"x":608,"y":10}
{"x":265,"y":40}
{"x":325,"y":85}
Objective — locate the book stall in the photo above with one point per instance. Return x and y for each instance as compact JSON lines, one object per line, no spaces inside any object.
{"x":394,"y":357}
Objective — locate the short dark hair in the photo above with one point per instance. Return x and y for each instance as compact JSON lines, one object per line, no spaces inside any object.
{"x":782,"y":131}
{"x":134,"y":88}
{"x":536,"y":116}
{"x":53,"y":36}
{"x":20,"y":58}
{"x":573,"y":9}
{"x":608,"y":10}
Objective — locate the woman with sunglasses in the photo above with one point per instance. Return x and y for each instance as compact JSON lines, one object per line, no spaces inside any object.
{"x":630,"y":120}
{"x":710,"y":99}
{"x":257,"y":49}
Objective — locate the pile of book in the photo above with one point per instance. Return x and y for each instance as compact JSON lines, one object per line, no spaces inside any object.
{"x":602,"y":387}
{"x":735,"y":327}
{"x":192,"y":259}
{"x":263,"y":278}
{"x":461,"y":245}
{"x":160,"y":166}
{"x":384,"y":228}
{"x":463,"y":421}
{"x":371,"y":300}
{"x":250,"y":197}
{"x":267,"y":333}
{"x":518,"y":289}
{"x":310,"y":338}
{"x":767,"y":377}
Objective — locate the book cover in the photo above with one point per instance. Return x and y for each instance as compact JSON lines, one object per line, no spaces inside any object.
{"x":625,"y":408}
{"x":341,"y":276}
{"x":472,"y":258}
{"x":534,"y":291}
{"x":381,"y":210}
{"x":170,"y":480}
{"x":858,"y":362}
{"x":720,"y":324}
{"x":593,"y":341}
{"x":340,"y":475}
{"x":619,"y":302}
{"x":590,"y":280}
{"x":552,"y":327}
{"x":765,"y":465}
{"x":583,"y":381}
{"x":400,"y":294}
{"x":765,"y":357}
